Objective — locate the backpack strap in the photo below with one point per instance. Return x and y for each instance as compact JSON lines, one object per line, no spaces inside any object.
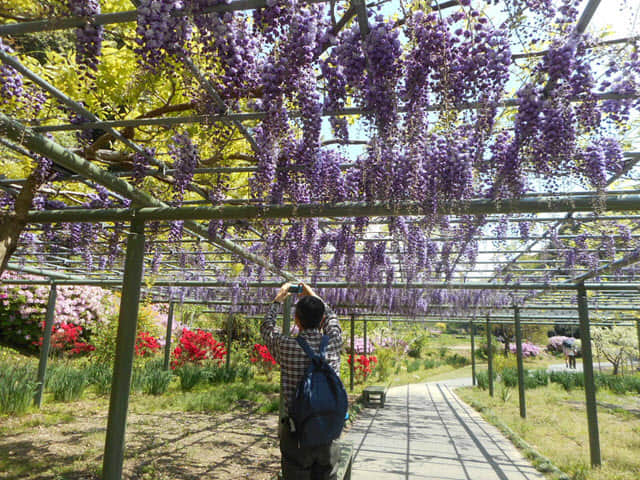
{"x":310,"y":353}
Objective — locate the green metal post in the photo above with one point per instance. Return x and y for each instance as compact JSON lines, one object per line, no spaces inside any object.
{"x":364,"y":328}
{"x":638,"y":328}
{"x":489,"y":356}
{"x":521,"y":396}
{"x":589,"y":384}
{"x":353,"y":353}
{"x":229,"y":339}
{"x":46,"y":344}
{"x":473,"y":355}
{"x":125,"y":343}
{"x":167,"y":336}
{"x":286,"y":327}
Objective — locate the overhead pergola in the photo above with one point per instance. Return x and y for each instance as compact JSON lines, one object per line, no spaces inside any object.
{"x":469,"y":268}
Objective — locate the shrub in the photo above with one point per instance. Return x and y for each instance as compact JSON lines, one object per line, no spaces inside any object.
{"x":156,"y":380}
{"x":539,"y":378}
{"x":509,"y":376}
{"x":17,"y":387}
{"x":416,"y":346}
{"x":413,"y":366}
{"x":358,"y":346}
{"x":67,"y":383}
{"x":456,"y":360}
{"x":263,"y":360}
{"x":190,"y":375}
{"x":386,"y":359}
{"x":146,"y":345}
{"x":568,"y":380}
{"x":364,"y":366}
{"x":482,"y":379}
{"x":430,"y":363}
{"x":100,"y":376}
{"x":196,"y":347}
{"x":528,"y":349}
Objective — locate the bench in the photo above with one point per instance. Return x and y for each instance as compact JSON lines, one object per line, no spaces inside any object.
{"x":374,"y":393}
{"x":344,"y":464}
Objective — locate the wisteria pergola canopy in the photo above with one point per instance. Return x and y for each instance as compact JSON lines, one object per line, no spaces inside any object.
{"x":387,"y":153}
{"x":449,"y":143}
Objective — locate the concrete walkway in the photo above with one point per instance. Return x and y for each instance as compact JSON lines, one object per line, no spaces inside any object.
{"x":423,"y":432}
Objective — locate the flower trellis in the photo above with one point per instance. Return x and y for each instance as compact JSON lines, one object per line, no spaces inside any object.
{"x":369,"y":147}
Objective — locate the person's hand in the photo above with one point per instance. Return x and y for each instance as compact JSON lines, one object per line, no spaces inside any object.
{"x":282,"y":293}
{"x":307,"y":291}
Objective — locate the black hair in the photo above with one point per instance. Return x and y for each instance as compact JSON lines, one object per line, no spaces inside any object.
{"x":310,"y":311}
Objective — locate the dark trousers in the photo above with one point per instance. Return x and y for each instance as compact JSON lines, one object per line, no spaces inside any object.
{"x":307,"y":463}
{"x":572,"y":361}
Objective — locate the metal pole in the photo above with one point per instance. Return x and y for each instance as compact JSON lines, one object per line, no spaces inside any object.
{"x":353,"y":353}
{"x":364,"y":327}
{"x":286,"y":327}
{"x":521,"y":396}
{"x":589,"y":384}
{"x":638,"y":329}
{"x":229,"y":339}
{"x":46,"y":344}
{"x":125,"y":343}
{"x":489,"y":356}
{"x":473,"y":355}
{"x":167,"y":336}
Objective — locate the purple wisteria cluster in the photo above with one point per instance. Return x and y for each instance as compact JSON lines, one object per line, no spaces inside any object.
{"x":89,"y":36}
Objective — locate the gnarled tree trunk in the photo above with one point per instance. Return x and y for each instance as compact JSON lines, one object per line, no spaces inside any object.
{"x":12,"y":224}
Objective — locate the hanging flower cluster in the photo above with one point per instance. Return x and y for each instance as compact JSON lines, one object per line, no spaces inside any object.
{"x":196,"y":347}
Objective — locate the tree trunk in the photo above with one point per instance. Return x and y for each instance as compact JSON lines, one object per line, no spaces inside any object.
{"x":12,"y":224}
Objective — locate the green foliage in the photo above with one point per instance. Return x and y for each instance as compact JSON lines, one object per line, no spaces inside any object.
{"x":430,"y":363}
{"x":537,"y":378}
{"x":17,"y":387}
{"x":386,"y":360}
{"x":509,"y":376}
{"x":505,"y":393}
{"x":456,"y":360}
{"x":568,"y":380}
{"x":417,"y":345}
{"x":482,"y":379}
{"x":413,"y":366}
{"x":190,"y":375}
{"x":616,"y":344}
{"x":104,"y":339}
{"x":67,"y":383}
{"x":156,"y":379}
{"x":225,"y":398}
{"x":100,"y":376}
{"x":222,"y":374}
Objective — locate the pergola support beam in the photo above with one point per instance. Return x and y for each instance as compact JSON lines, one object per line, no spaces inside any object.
{"x":521,"y":387}
{"x":125,"y":347}
{"x":46,"y":344}
{"x":589,"y":382}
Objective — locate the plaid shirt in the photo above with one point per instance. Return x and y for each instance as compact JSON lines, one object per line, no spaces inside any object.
{"x":292,"y":359}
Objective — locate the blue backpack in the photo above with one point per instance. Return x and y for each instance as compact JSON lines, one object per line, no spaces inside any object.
{"x":319,"y":407}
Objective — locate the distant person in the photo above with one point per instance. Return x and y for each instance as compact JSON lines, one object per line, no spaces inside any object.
{"x":314,"y":319}
{"x":571,"y":354}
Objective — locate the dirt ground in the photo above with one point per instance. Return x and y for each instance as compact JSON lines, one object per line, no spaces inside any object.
{"x":159,"y":445}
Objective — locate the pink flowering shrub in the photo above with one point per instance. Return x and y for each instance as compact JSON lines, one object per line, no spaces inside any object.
{"x":23,"y":309}
{"x":555,"y":343}
{"x":528,"y":349}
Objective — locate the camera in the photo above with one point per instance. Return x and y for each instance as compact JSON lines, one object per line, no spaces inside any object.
{"x":295,"y":289}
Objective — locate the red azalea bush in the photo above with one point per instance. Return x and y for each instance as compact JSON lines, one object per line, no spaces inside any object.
{"x":195,"y":347}
{"x":261,"y":357}
{"x":364,"y":366}
{"x":146,"y":345}
{"x":66,"y":338}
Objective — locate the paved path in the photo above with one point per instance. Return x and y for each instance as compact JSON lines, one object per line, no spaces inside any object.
{"x":425,"y":432}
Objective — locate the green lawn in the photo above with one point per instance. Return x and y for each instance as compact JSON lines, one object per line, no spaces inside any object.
{"x":556,"y":426}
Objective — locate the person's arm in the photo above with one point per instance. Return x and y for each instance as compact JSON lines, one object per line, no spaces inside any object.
{"x":271,"y":334}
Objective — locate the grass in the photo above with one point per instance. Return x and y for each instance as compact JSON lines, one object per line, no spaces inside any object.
{"x":556,"y":427}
